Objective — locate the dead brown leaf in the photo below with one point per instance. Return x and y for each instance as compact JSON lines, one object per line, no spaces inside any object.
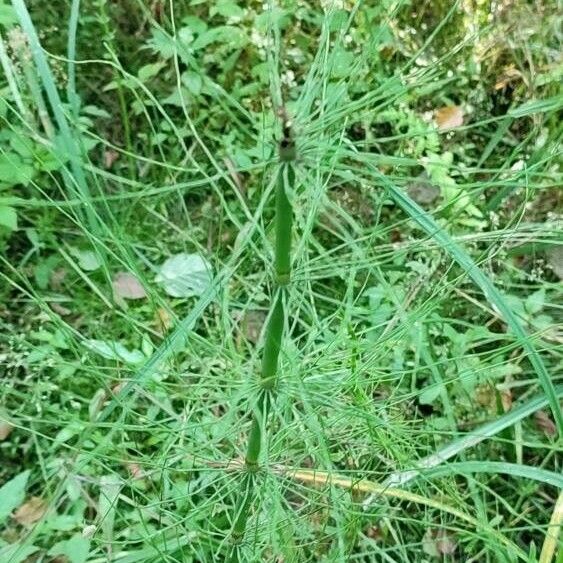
{"x":438,"y":543}
{"x":5,"y":430}
{"x":545,"y":424}
{"x":445,"y":543}
{"x":422,"y":190}
{"x":60,"y":309}
{"x":128,"y":286}
{"x":449,"y":117}
{"x":136,"y":470}
{"x":57,"y":278}
{"x":163,"y":320}
{"x":31,"y":511}
{"x":484,"y":395}
{"x":252,"y":324}
{"x":506,"y":399}
{"x":110,"y":156}
{"x":509,"y":75}
{"x":555,"y":258}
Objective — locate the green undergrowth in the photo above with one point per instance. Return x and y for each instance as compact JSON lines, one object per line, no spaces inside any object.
{"x":417,"y":399}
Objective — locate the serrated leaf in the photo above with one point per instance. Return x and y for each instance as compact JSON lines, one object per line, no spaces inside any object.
{"x":185,"y":275}
{"x":112,"y":350}
{"x":12,"y":494}
{"x":229,"y":34}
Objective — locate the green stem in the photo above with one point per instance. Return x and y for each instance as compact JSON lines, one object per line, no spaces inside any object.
{"x":284,"y":220}
{"x":268,"y":378}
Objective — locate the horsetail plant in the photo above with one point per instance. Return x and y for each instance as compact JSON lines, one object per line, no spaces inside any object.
{"x":268,"y":378}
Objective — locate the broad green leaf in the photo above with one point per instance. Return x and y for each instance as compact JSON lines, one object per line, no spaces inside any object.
{"x":16,"y":553}
{"x":14,"y":171}
{"x":343,"y":62}
{"x":430,"y":394}
{"x":7,"y":15}
{"x":195,"y":24}
{"x":273,"y":17}
{"x":193,"y":82}
{"x":8,"y":217}
{"x":12,"y":494}
{"x":185,"y":275}
{"x":87,"y":259}
{"x":114,"y":351}
{"x":535,"y":301}
{"x":107,"y":504}
{"x":149,"y":71}
{"x":162,"y":43}
{"x":76,"y":549}
{"x":227,"y":9}
{"x":229,"y":34}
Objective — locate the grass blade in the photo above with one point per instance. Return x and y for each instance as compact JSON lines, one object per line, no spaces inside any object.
{"x":492,"y":294}
{"x":472,"y":438}
{"x":68,"y":145}
{"x":552,"y":535}
{"x":516,"y":469}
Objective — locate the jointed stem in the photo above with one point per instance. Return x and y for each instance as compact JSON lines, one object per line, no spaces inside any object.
{"x":284,"y":221}
{"x":268,"y":378}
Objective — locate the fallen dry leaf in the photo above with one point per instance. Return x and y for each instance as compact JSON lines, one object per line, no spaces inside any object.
{"x":31,"y":511}
{"x":59,"y":309}
{"x":438,"y":542}
{"x":57,"y":278}
{"x":445,"y":544}
{"x":89,"y":531}
{"x":5,"y":430}
{"x":555,"y":258}
{"x":545,"y":424}
{"x":375,"y":533}
{"x":136,"y":470}
{"x":506,"y":399}
{"x":449,"y":117}
{"x":127,"y":286}
{"x":422,"y":190}
{"x":510,"y":74}
{"x":110,"y":156}
{"x":163,"y":320}
{"x":253,"y":322}
{"x":117,"y":388}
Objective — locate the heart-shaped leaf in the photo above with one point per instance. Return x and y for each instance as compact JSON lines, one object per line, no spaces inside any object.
{"x":185,"y":275}
{"x":115,"y":351}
